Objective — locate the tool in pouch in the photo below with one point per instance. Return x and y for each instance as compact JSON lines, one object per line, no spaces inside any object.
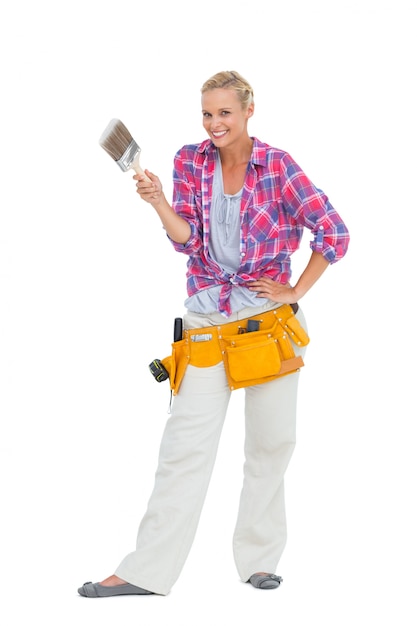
{"x":254,"y":351}
{"x":157,"y":367}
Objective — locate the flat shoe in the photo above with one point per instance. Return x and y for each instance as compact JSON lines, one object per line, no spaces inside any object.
{"x":95,"y":590}
{"x":265,"y":581}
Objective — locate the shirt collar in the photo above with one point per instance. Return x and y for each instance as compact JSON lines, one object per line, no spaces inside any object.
{"x":258,"y":156}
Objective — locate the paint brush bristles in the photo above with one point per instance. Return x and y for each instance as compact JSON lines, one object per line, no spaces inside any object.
{"x":117,"y":141}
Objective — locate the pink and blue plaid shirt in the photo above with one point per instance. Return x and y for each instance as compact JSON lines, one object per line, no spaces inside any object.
{"x":278,"y":202}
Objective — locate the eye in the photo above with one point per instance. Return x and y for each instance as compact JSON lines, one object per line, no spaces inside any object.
{"x":225,"y":113}
{"x":205,"y":114}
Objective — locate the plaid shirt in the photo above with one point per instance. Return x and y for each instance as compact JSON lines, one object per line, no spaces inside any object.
{"x":278,"y":202}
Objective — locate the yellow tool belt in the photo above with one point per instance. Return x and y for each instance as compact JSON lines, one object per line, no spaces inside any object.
{"x":250,"y":358}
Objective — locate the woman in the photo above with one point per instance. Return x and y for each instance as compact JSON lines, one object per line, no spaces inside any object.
{"x":239,"y":209}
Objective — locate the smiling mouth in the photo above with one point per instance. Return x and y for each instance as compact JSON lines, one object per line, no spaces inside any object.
{"x":219,"y":134}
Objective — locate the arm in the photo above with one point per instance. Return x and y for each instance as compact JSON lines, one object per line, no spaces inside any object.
{"x":309,"y":207}
{"x":285,"y":294}
{"x":176,"y":227}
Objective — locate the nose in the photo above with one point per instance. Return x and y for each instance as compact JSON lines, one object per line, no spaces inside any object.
{"x":215,"y":122}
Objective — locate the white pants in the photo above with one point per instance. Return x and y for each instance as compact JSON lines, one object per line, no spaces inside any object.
{"x":187,"y":455}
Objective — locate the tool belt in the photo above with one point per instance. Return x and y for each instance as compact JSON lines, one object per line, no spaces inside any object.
{"x":250,"y":358}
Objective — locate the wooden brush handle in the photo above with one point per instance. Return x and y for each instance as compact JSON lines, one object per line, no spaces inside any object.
{"x":135,"y":166}
{"x":139,"y":170}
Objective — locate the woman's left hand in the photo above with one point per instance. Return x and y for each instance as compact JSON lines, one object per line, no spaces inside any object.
{"x":268,"y":288}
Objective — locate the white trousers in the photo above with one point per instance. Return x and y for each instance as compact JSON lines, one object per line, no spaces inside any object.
{"x":187,"y":455}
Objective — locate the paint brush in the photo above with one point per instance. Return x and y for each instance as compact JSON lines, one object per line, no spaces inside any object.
{"x":117,"y":141}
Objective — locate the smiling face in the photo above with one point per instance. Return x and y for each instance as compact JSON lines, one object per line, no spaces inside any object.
{"x":224,"y":118}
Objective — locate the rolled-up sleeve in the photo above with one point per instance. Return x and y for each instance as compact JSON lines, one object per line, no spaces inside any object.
{"x":184,"y":204}
{"x":310,"y":207}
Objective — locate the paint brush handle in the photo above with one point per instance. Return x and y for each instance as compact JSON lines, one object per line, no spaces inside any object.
{"x":135,"y":166}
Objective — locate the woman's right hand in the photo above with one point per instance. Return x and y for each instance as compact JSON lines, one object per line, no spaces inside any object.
{"x":176,"y":227}
{"x":149,"y":190}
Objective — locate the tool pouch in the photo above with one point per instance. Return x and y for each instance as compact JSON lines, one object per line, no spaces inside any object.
{"x":250,"y":358}
{"x":176,"y":364}
{"x":248,"y":361}
{"x":260,"y":356}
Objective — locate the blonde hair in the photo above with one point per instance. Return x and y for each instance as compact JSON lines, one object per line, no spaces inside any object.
{"x":231,"y":80}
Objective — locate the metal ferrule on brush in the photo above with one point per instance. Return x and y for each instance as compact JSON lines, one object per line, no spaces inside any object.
{"x":129,"y":155}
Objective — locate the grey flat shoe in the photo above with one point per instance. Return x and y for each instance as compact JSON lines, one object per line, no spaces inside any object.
{"x":265,"y":581}
{"x":95,"y":590}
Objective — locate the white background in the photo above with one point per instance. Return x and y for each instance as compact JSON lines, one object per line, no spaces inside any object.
{"x":90,"y":287}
